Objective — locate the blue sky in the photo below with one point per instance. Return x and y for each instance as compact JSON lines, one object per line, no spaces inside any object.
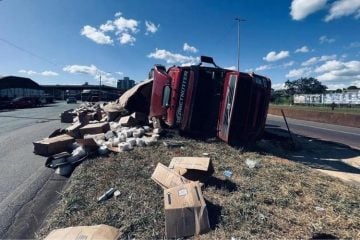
{"x":70,"y":42}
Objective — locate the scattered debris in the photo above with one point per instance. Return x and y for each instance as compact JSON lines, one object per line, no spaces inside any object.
{"x":67,"y":116}
{"x":95,"y":128}
{"x":50,"y":146}
{"x":116,"y":194}
{"x":166,"y":177}
{"x":228,"y":174}
{"x":107,"y":195}
{"x":85,"y":232}
{"x":193,"y":168}
{"x":251,"y":163}
{"x":173,"y":144}
{"x":64,"y":170}
{"x":185,"y":211}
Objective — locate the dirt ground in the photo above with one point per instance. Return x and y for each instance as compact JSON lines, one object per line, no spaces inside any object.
{"x":278,"y":198}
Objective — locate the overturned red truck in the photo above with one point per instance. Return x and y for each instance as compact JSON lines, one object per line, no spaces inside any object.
{"x":210,"y":101}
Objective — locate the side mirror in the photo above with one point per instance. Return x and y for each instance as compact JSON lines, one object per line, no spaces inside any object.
{"x":166,"y":96}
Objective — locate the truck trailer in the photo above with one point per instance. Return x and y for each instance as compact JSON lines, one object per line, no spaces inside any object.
{"x":210,"y":101}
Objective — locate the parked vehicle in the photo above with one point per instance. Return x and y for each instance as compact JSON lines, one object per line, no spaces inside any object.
{"x":23,"y":102}
{"x":210,"y":101}
{"x":71,"y":100}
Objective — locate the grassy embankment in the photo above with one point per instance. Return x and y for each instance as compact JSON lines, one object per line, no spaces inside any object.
{"x":277,"y":199}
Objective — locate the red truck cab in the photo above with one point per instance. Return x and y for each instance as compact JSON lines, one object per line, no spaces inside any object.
{"x":195,"y":99}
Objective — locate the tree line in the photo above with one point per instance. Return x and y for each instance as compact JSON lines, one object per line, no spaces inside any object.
{"x":302,"y":86}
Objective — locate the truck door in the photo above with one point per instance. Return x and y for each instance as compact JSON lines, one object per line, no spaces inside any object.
{"x":227,"y":105}
{"x":161,"y":91}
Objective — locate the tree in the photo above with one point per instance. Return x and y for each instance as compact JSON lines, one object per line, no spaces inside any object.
{"x":352,"y":88}
{"x":304,"y":86}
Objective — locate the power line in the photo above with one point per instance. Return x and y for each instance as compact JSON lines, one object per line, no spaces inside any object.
{"x":28,"y":52}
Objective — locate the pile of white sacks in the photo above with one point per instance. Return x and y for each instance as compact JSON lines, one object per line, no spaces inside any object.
{"x":121,"y":139}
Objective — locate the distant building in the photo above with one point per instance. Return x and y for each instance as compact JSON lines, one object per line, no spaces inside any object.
{"x":12,"y":87}
{"x":83,"y":92}
{"x":125,"y":83}
{"x":346,"y":97}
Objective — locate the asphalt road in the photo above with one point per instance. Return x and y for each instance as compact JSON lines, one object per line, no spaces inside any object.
{"x":22,"y":173}
{"x":340,"y":134}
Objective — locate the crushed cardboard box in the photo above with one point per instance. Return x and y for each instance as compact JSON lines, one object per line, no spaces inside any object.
{"x":102,"y":231}
{"x":74,"y":130}
{"x":166,"y":177}
{"x":134,"y":119}
{"x":193,"y":168}
{"x":95,"y":128}
{"x":185,"y":211}
{"x":51,"y":146}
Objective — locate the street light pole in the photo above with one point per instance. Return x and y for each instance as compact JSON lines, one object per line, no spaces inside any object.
{"x":238,"y":19}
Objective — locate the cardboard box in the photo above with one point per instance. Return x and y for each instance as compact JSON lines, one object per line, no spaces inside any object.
{"x":95,"y":128}
{"x":127,"y":121}
{"x":193,"y":168}
{"x":84,"y":117}
{"x":166,"y":177}
{"x":185,"y":211}
{"x":67,"y":117}
{"x":74,"y":130}
{"x":88,"y":144}
{"x":51,"y":146}
{"x":85,"y":232}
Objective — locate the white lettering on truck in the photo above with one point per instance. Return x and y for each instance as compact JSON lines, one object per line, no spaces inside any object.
{"x":183,"y":87}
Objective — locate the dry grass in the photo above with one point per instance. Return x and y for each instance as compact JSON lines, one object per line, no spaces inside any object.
{"x":277,"y":199}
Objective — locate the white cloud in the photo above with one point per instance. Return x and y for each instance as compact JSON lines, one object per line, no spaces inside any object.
{"x":356,"y":83}
{"x":329,"y":66}
{"x":336,"y":86}
{"x":233,"y":68}
{"x":288,"y":64}
{"x":300,"y":9}
{"x":297,"y":73}
{"x":263,"y":67}
{"x":126,"y":25}
{"x":49,"y":73}
{"x":96,"y":35}
{"x":107,"y":27}
{"x":273,"y":56}
{"x":46,"y":73}
{"x":120,"y":73}
{"x":343,"y":8}
{"x":303,"y":49}
{"x":315,"y":60}
{"x":325,"y":39}
{"x":354,"y":45}
{"x":118,"y":14}
{"x":28,"y":72}
{"x":278,"y":86}
{"x":189,"y":48}
{"x":126,"y":38}
{"x":172,"y":58}
{"x":339,"y":71}
{"x":91,"y":70}
{"x":151,"y":27}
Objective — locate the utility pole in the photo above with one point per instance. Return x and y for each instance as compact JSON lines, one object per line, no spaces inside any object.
{"x":238,"y":19}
